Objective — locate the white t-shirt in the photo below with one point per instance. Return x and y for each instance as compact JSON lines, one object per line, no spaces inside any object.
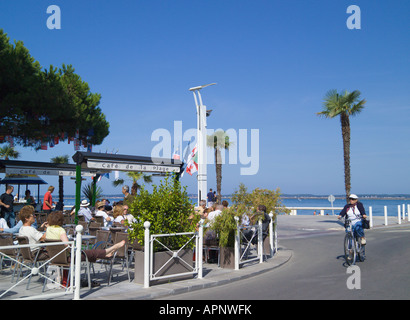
{"x":119,"y":219}
{"x":353,"y":214}
{"x":3,"y":224}
{"x":213,"y":214}
{"x":32,"y":234}
{"x":104,"y":214}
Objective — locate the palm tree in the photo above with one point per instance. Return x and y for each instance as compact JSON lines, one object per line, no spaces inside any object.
{"x":8,"y":153}
{"x":219,"y":140}
{"x":345,"y":104}
{"x":135,"y":176}
{"x":88,"y":192}
{"x":60,"y":160}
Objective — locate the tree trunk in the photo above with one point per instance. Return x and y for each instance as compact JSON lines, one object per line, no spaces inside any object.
{"x":344,"y":119}
{"x":218,"y":166}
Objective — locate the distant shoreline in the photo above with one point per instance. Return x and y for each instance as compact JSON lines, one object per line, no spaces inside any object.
{"x":290,"y":196}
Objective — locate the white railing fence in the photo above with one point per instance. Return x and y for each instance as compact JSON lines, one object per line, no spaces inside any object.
{"x":401,"y":212}
{"x":197,"y":268}
{"x":243,"y":244}
{"x":40,"y":269}
{"x":149,"y":240}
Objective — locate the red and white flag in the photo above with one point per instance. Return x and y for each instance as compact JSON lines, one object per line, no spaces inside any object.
{"x":192,"y":163}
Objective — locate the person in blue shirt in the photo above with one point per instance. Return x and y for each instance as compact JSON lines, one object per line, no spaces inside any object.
{"x":210,"y":197}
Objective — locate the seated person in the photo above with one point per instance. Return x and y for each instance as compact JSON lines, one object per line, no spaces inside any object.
{"x":3,"y":224}
{"x":121,"y":214}
{"x":15,"y":230}
{"x":55,"y":231}
{"x":84,"y":211}
{"x":128,"y":216}
{"x":265,"y":224}
{"x":29,"y":198}
{"x":34,"y":236}
{"x":107,"y":206}
{"x":201,"y":208}
{"x":100,"y":206}
{"x":218,"y":210}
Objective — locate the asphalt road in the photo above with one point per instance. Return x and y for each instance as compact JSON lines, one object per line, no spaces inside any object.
{"x":317,"y":271}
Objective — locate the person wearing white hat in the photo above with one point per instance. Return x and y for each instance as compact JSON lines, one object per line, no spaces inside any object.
{"x":84,"y":211}
{"x":354,"y":211}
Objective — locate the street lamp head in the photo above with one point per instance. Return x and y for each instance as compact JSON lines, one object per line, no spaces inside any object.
{"x":201,"y":87}
{"x":208,"y":112}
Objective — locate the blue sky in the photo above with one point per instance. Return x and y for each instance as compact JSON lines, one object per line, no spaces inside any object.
{"x":273,"y":62}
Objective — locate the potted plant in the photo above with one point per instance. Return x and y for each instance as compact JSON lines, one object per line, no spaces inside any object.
{"x":168,"y":210}
{"x":224,"y":226}
{"x":245,"y":203}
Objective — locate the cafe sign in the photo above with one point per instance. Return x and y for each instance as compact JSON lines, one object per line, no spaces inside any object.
{"x":123,"y":166}
{"x":46,"y":172}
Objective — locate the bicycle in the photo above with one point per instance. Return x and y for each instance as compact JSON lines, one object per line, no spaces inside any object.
{"x":353,"y":249}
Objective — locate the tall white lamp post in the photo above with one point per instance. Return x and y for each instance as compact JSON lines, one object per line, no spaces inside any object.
{"x":201,"y":141}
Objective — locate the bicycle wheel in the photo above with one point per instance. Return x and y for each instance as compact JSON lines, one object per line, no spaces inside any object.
{"x":350,"y":249}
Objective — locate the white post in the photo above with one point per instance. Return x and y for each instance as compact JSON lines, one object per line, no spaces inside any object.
{"x":271,"y":234}
{"x":385,"y":216}
{"x":200,"y":248}
{"x":147,"y":224}
{"x":202,"y":151}
{"x":276,"y":233}
{"x":260,"y":241}
{"x":371,"y":216}
{"x":201,"y":142}
{"x":404,"y":211}
{"x":398,"y":214}
{"x":322,"y":212}
{"x":237,"y":244}
{"x":77,"y":279}
{"x":408,"y":212}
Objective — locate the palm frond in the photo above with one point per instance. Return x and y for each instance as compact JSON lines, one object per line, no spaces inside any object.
{"x":118,"y":182}
{"x":218,"y":140}
{"x":8,"y":152}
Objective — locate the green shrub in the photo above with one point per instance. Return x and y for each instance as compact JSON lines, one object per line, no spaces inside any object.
{"x":224,"y":225}
{"x":245,"y":202}
{"x":168,"y":209}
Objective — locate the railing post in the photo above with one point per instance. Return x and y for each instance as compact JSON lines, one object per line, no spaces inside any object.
{"x":237,"y":244}
{"x":408,"y":212}
{"x":77,"y":265}
{"x":260,"y":241}
{"x":371,"y":216}
{"x":200,"y":248}
{"x":147,"y":224}
{"x":271,"y":234}
{"x":276,"y":233}
{"x":385,"y":216}
{"x":398,"y":214}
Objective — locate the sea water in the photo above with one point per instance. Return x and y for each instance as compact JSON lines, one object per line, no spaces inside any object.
{"x":377,"y":204}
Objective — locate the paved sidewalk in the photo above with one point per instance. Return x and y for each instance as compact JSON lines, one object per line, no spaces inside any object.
{"x":213,"y":276}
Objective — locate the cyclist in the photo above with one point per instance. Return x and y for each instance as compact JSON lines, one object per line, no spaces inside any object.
{"x":354,"y":211}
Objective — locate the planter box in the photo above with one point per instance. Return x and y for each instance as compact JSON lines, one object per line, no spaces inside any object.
{"x":227,"y":258}
{"x":174,"y":266}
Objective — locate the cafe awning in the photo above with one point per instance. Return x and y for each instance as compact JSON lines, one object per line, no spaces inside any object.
{"x":118,"y":162}
{"x":24,"y":179}
{"x":45,"y":168}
